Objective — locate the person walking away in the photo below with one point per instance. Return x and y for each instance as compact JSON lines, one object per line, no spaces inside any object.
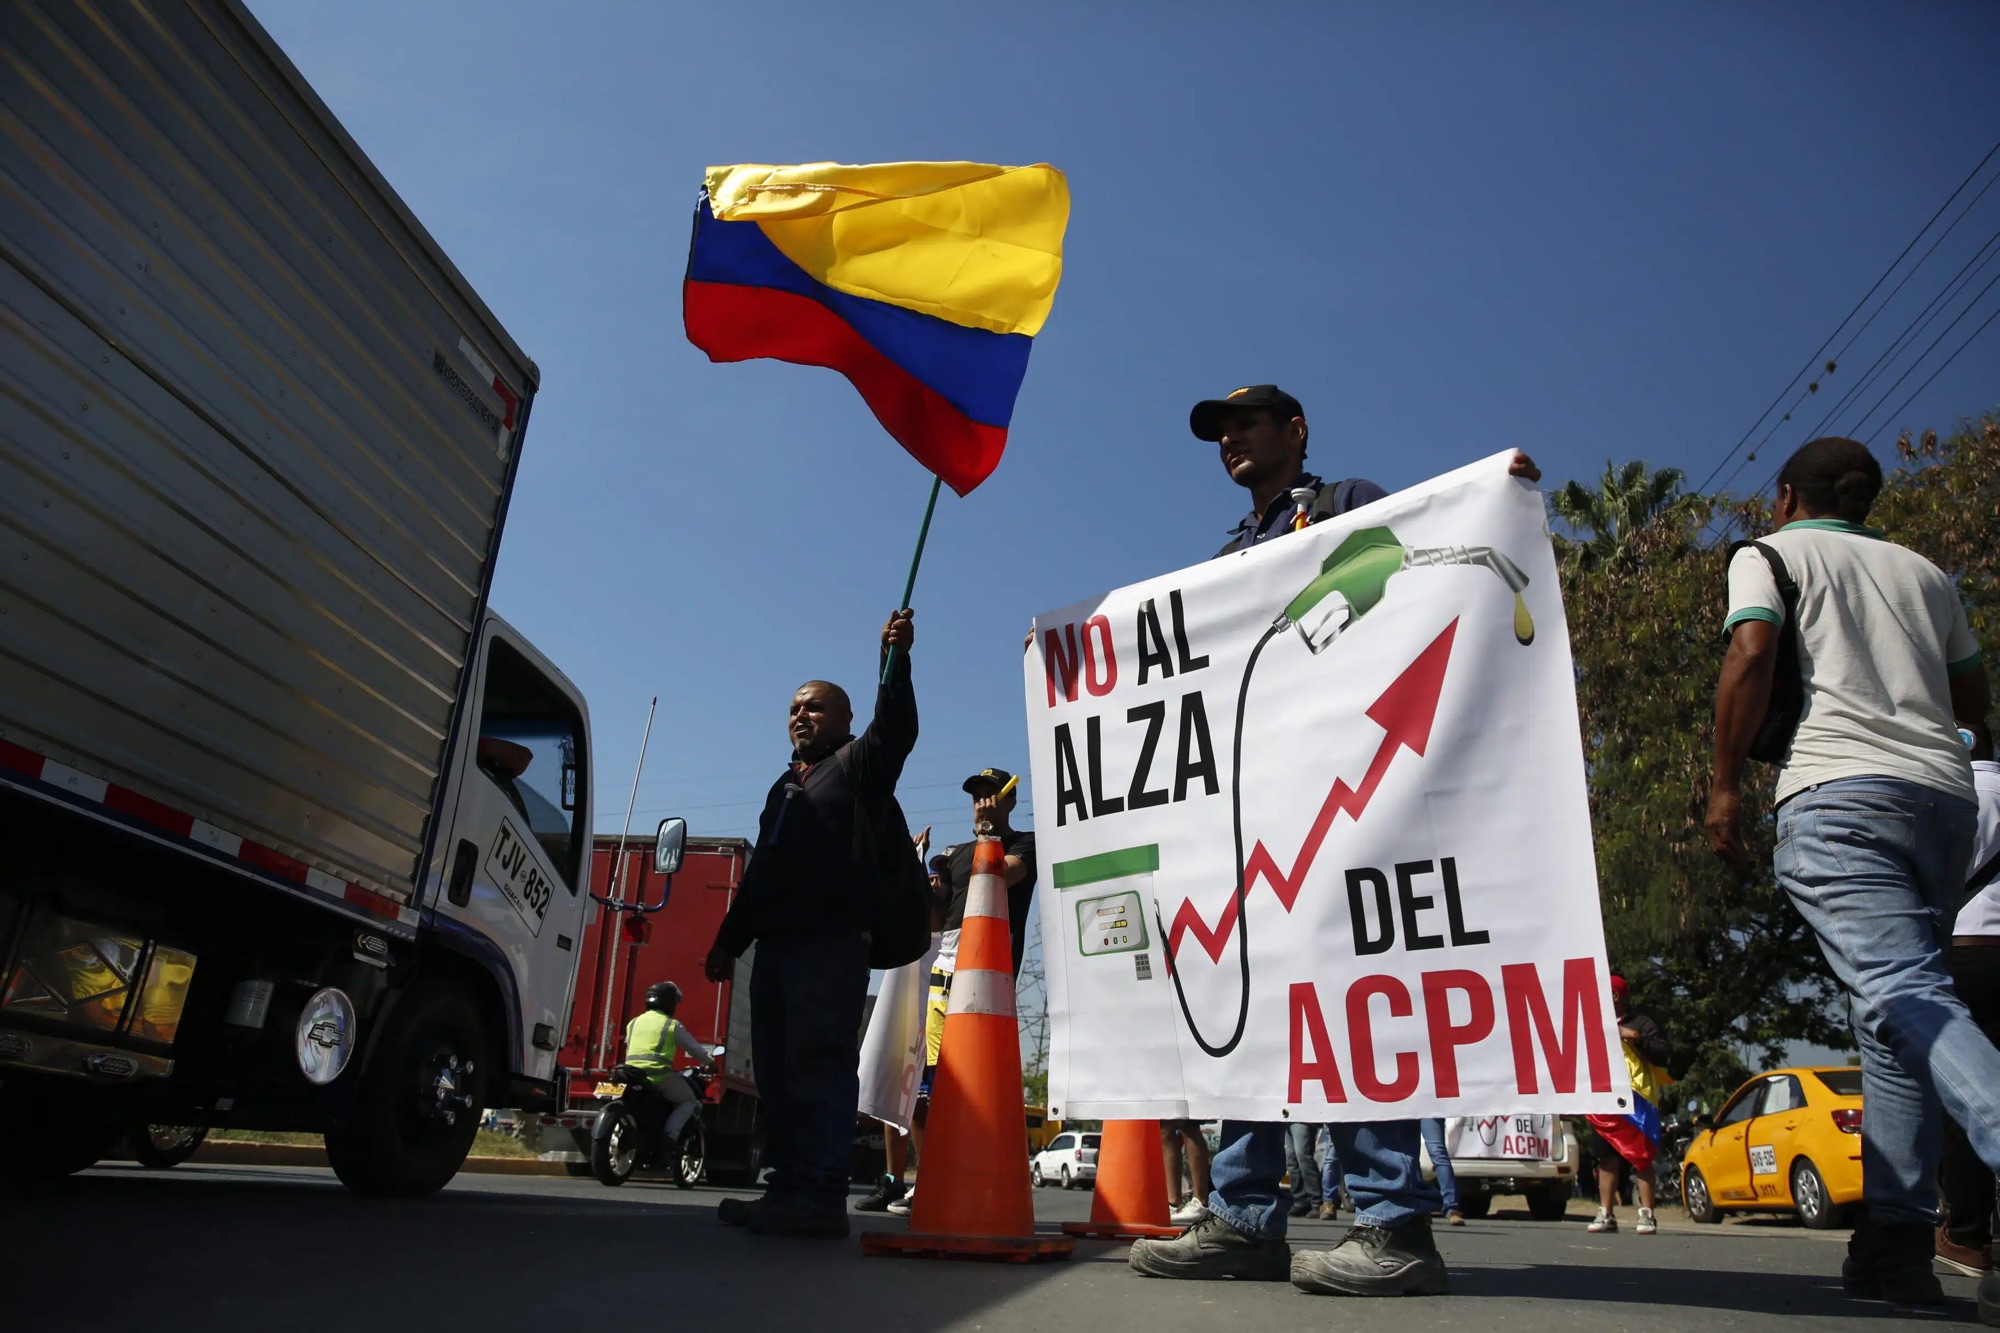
{"x":1621,"y":1142}
{"x":1432,"y":1130}
{"x":1875,"y":819}
{"x":1965,"y":1233}
{"x":1303,"y":1168}
{"x":1261,"y":437}
{"x":808,"y":902}
{"x":651,"y":1039}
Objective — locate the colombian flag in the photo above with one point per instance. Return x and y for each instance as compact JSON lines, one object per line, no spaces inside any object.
{"x":922,"y":282}
{"x":1636,"y":1135}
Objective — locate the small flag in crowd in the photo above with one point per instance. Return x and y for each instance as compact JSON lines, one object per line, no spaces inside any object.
{"x":922,"y":282}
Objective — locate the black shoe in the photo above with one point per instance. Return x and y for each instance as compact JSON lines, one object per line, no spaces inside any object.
{"x":887,"y":1190}
{"x":1211,"y":1248}
{"x":796,"y":1216}
{"x":1302,"y":1208}
{"x":1371,"y":1261}
{"x":1892,"y":1262}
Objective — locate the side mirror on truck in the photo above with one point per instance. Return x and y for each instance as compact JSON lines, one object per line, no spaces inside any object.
{"x":671,"y":846}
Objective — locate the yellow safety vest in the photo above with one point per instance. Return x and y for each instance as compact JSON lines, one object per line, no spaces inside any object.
{"x":649,"y":1041}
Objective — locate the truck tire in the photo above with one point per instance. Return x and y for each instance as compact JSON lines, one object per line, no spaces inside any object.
{"x":1548,"y":1203}
{"x":420,"y":1099}
{"x":158,"y":1147}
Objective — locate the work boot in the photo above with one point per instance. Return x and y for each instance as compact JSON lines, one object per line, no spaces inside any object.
{"x":1211,"y":1248}
{"x":887,"y":1190}
{"x":797,"y":1216}
{"x":1328,"y":1211}
{"x":1374,"y":1261}
{"x":1891,"y":1261}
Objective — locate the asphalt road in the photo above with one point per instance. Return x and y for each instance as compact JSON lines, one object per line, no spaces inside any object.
{"x":222,"y":1248}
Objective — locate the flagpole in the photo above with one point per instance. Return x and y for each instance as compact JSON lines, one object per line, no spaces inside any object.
{"x":916,"y":558}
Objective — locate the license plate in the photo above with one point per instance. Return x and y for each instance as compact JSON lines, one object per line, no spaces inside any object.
{"x":608,"y":1090}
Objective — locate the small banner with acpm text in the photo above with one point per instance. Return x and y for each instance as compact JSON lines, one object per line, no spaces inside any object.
{"x":1314,"y":822}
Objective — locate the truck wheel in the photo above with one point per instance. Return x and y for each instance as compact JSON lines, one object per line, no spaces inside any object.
{"x":161,"y":1146}
{"x":1474,"y":1205}
{"x":419,"y":1103}
{"x":614,"y":1145}
{"x":1548,"y":1203}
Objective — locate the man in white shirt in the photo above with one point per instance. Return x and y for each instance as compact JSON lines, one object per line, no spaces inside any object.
{"x":1876,"y":818}
{"x":1965,"y":1235}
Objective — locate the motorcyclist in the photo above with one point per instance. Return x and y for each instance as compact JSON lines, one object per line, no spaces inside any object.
{"x":650,"y":1040}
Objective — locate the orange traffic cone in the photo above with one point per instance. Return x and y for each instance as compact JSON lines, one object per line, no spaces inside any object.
{"x":973,"y":1198}
{"x":1131,"y":1185}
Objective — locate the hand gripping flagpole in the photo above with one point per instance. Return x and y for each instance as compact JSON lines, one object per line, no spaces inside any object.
{"x":910,"y":583}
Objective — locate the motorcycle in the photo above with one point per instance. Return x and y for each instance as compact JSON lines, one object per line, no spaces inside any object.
{"x":631,"y":1131}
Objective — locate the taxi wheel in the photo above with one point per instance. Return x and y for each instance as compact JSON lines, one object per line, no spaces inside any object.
{"x":1694,"y":1193}
{"x":1809,"y":1197}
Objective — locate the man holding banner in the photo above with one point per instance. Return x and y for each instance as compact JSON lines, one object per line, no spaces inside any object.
{"x":1261,"y":433}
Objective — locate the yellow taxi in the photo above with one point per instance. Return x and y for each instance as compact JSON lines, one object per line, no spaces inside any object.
{"x":1787,"y":1141}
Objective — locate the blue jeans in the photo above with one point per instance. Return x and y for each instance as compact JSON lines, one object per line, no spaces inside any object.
{"x":1384,"y":1181}
{"x":1329,"y":1166}
{"x":806,"y":997}
{"x":1876,"y":865}
{"x":1433,"y":1132}
{"x":1300,"y":1164}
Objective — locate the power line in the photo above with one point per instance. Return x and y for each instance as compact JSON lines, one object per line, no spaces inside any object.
{"x":1935,"y":373}
{"x":1814,"y":359}
{"x":1863,"y":420}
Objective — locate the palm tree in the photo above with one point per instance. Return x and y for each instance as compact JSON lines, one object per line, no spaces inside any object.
{"x":1626,"y":500}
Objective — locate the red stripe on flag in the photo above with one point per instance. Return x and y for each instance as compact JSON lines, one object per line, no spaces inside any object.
{"x":275,"y":862}
{"x":17,"y":759}
{"x":733,"y":323}
{"x":148,"y":810}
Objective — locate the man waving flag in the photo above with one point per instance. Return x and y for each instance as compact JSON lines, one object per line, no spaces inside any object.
{"x":922,"y":282}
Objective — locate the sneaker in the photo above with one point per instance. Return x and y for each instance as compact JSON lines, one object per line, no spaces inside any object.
{"x":1328,"y":1211}
{"x":1372,"y":1261}
{"x":1604,"y":1221}
{"x":1211,"y":1248}
{"x":1892,"y":1262}
{"x":887,"y":1190}
{"x":1961,"y":1258}
{"x":901,"y":1206}
{"x":1189,"y":1213}
{"x":1454,"y":1218}
{"x":1989,"y":1298}
{"x":1647,"y":1226}
{"x":800,"y":1217}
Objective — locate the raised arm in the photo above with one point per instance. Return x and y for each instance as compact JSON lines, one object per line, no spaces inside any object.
{"x":879,"y":752}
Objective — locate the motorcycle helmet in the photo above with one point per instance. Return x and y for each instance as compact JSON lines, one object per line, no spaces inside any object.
{"x":663,"y":995}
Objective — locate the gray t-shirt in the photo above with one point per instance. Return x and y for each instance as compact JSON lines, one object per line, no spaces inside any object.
{"x":1881,"y":634}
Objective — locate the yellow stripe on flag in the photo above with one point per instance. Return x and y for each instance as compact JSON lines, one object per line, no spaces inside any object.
{"x":974,"y":244}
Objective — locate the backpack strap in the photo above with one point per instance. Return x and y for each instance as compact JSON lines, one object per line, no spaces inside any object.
{"x":1983,"y":877}
{"x":1788,"y":589}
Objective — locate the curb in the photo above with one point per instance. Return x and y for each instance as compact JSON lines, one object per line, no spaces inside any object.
{"x":225,"y":1153}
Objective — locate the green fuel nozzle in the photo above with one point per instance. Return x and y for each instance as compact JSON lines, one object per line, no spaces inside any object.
{"x":1353,"y":578}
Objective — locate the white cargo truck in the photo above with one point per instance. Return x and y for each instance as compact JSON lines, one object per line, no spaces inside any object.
{"x":294,"y":830}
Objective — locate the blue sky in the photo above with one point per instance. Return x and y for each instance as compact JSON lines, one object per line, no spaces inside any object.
{"x":1588,"y":231}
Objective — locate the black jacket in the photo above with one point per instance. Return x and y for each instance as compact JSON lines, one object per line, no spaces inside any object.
{"x":814,"y":877}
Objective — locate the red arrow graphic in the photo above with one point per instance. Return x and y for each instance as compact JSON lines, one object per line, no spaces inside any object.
{"x":1405,"y":712}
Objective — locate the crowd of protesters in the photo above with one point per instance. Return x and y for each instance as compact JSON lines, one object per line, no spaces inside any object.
{"x":1850,"y":663}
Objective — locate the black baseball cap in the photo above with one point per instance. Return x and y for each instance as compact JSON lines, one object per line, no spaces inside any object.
{"x":999,"y":777}
{"x":1206,"y":419}
{"x":940,"y":863}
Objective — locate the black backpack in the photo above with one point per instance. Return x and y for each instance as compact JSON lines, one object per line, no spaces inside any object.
{"x":900,"y":920}
{"x":1788,"y":690}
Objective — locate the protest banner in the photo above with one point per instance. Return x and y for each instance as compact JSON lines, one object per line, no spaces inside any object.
{"x":1500,"y":1138}
{"x":1314,"y":822}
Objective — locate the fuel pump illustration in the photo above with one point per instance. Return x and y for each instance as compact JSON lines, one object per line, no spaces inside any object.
{"x":1352,"y":581}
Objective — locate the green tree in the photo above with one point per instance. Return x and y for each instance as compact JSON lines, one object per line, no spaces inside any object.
{"x":1627,"y":502}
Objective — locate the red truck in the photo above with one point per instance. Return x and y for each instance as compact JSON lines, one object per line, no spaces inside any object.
{"x":620,"y":955}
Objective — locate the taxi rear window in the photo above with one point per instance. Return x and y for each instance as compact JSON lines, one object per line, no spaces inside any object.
{"x":1844,"y":1082}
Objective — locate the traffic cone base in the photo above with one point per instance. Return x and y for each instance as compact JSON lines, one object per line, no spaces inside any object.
{"x":975,"y":1201}
{"x":1131,"y":1192}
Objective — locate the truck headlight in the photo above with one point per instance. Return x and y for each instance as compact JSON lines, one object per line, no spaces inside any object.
{"x":325,"y":1039}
